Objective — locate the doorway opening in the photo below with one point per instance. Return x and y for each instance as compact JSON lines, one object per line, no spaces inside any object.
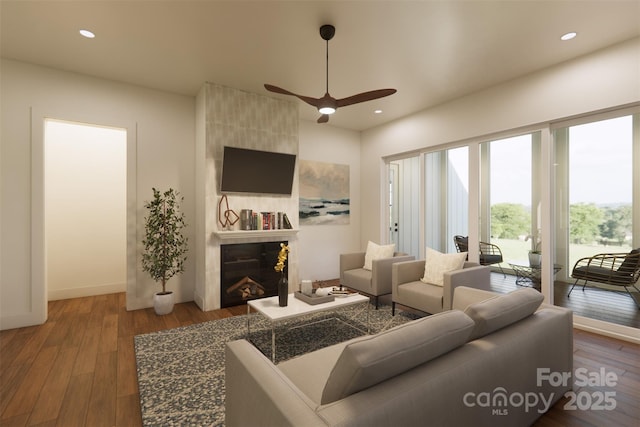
{"x":85,"y":209}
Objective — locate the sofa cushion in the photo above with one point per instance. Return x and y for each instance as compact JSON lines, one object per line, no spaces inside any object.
{"x":503,"y":310}
{"x":421,"y":296}
{"x":310,"y":371}
{"x":436,"y":264}
{"x":375,"y":251}
{"x":486,"y":259}
{"x":358,"y":278}
{"x":464,"y":296}
{"x":373,"y":359}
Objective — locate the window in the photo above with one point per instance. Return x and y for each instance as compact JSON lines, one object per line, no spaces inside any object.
{"x":596,"y":162}
{"x":509,"y":205}
{"x":593,"y":165}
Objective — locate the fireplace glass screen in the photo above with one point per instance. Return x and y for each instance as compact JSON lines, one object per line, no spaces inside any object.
{"x":247,"y":272}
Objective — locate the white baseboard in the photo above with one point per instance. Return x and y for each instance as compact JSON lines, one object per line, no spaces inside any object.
{"x":22,"y":320}
{"x":138,"y":304}
{"x":111,"y":288}
{"x":625,"y":333}
{"x":199,"y":300}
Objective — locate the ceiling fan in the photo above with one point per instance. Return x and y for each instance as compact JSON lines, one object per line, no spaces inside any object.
{"x":327,"y":104}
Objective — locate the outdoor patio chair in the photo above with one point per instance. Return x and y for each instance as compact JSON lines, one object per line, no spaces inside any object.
{"x":489,"y":253}
{"x":614,"y":269}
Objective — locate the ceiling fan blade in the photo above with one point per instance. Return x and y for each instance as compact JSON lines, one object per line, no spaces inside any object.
{"x":323,"y":118}
{"x":365,"y":96}
{"x":309,"y":100}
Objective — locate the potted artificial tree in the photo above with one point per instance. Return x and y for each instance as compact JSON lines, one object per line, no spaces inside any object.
{"x":165,"y":247}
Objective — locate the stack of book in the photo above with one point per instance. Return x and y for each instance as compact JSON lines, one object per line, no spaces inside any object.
{"x":270,"y":221}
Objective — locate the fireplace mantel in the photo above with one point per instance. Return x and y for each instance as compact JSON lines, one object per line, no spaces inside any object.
{"x":252,"y":234}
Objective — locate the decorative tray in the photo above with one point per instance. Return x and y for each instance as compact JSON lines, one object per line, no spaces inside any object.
{"x":313,"y":300}
{"x":341,"y":293}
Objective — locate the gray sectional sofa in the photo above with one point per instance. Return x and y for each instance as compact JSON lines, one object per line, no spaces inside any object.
{"x":475,"y":365}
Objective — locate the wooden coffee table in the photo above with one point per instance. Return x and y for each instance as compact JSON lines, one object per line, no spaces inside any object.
{"x":271,"y":310}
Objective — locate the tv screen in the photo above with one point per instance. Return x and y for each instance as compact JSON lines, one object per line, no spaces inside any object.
{"x":253,"y":171}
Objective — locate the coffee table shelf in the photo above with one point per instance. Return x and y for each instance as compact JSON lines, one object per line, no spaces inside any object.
{"x":271,"y":310}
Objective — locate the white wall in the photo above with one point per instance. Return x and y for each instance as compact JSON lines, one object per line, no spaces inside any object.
{"x":320,"y":245}
{"x":162,"y":131}
{"x":603,"y":80}
{"x":85,"y":209}
{"x":163,"y":128}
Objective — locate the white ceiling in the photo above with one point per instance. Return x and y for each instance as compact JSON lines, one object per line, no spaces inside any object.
{"x":430,"y":51}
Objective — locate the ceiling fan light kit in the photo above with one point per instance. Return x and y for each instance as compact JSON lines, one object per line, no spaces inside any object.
{"x":327,"y":104}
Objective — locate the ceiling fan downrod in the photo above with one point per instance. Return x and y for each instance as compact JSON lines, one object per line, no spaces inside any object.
{"x":327,"y":69}
{"x":327,"y":32}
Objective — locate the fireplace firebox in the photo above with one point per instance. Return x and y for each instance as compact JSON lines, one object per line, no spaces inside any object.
{"x":247,"y":272}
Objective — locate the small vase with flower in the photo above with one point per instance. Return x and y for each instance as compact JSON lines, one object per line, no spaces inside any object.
{"x":283,"y":283}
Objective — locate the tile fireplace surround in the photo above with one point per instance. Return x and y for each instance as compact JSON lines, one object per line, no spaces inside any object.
{"x":246,"y":120}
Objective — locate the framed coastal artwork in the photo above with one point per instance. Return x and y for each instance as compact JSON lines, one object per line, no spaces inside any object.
{"x":324,"y":193}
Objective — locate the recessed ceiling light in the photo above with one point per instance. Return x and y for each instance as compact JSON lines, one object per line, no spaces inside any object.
{"x":88,"y":34}
{"x":377,"y":111}
{"x":568,"y":36}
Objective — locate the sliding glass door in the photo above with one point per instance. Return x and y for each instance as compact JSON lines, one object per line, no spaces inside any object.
{"x":590,"y":169}
{"x":597,"y":163}
{"x":597,"y":209}
{"x":509,"y":213}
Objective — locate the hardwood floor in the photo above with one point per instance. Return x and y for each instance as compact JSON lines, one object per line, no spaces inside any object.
{"x":78,"y":369}
{"x":596,"y":303}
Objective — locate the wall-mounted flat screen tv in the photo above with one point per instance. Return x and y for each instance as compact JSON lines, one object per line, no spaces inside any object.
{"x":254,"y":171}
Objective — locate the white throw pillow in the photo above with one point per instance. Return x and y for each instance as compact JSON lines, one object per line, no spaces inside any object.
{"x":375,"y":251}
{"x":437,"y":263}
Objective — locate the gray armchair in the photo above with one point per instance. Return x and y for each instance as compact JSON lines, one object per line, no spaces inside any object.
{"x":374,"y":282}
{"x":410,"y":291}
{"x":613,"y":269}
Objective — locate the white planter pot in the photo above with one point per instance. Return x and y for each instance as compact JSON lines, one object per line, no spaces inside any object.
{"x":534,"y":259}
{"x":163,"y":303}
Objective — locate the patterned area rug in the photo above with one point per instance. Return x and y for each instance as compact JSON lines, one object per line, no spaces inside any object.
{"x":181,"y":371}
